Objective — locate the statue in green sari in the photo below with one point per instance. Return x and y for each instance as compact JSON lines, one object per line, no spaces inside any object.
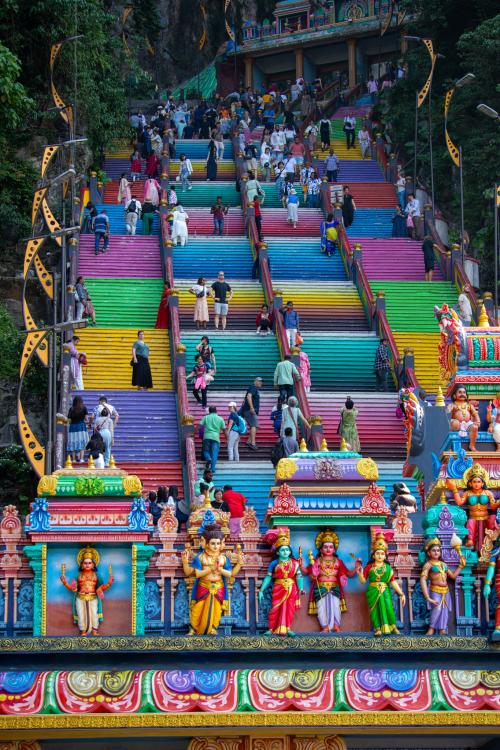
{"x":379,"y":576}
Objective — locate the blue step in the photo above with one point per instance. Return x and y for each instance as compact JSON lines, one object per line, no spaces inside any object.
{"x":116,"y":216}
{"x":208,"y":255}
{"x":198,"y":149}
{"x":301,"y":258}
{"x":253,"y":480}
{"x":371,"y":222}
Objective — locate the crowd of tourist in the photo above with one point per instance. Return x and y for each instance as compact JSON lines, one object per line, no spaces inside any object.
{"x":274,"y":147}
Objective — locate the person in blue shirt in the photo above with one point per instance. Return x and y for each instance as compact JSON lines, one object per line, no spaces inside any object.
{"x":293,"y":207}
{"x":291,"y":320}
{"x":100,"y":225}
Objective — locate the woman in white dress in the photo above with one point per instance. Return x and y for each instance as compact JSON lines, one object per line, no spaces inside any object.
{"x":180,"y":227}
{"x":124,"y":192}
{"x":200,"y":291}
{"x":152,"y":191}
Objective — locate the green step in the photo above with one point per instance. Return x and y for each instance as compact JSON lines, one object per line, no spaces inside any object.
{"x":342,"y":363}
{"x":240,"y":358}
{"x":337,"y":127}
{"x":125,"y":303}
{"x":203,"y":194}
{"x":410,"y":304}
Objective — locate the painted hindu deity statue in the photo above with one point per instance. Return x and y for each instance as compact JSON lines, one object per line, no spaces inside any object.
{"x":88,"y":590}
{"x":212,"y":570}
{"x":379,"y":576}
{"x":464,"y":418}
{"x":434,"y":582}
{"x":479,"y":503}
{"x":328,"y":577}
{"x":492,"y":548}
{"x":493,"y":417}
{"x":284,"y":573}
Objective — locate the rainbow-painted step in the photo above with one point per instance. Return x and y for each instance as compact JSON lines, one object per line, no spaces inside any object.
{"x":139,"y":255}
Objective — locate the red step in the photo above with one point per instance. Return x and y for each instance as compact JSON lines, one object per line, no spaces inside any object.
{"x":152,"y":475}
{"x":374,"y":195}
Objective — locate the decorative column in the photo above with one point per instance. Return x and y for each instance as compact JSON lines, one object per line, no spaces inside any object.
{"x":299,"y":62}
{"x":248,"y":72}
{"x":140,"y":562}
{"x":10,"y":563}
{"x":37,"y":556}
{"x":168,"y":566}
{"x":351,"y":60}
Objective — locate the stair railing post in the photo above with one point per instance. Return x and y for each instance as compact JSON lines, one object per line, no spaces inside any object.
{"x":489,"y":304}
{"x":393,"y":169}
{"x":95,"y":193}
{"x":357,"y":255}
{"x":165,"y":163}
{"x":337,"y":212}
{"x":408,"y":360}
{"x":456,"y":256}
{"x":379,"y":308}
{"x":428,"y":219}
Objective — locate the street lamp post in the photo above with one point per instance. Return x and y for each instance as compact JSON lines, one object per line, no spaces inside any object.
{"x":420,"y":99}
{"x":485,"y":109}
{"x":456,"y":153}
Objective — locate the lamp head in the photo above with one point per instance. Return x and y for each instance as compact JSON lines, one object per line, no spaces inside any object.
{"x":465,"y":80}
{"x":488,"y":111}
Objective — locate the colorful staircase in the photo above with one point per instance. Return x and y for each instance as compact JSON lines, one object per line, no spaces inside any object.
{"x":125,"y":285}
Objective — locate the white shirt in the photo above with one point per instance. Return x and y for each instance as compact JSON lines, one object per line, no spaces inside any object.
{"x":290,"y":165}
{"x":465,"y":307}
{"x":265,"y":158}
{"x":413,"y":207}
{"x":372,"y":87}
{"x":138,"y":207}
{"x":312,"y":129}
{"x":351,"y":121}
{"x":112,"y":411}
{"x":364,"y":136}
{"x":401,"y":184}
{"x":187,"y":164}
{"x":289,"y":134}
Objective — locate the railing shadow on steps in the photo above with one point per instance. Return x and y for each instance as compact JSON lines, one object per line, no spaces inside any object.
{"x":260,"y":250}
{"x":177,"y":352}
{"x":402,"y":366}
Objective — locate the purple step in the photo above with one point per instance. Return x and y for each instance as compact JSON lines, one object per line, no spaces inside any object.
{"x":397,"y":259}
{"x":147,"y":430}
{"x":352,"y":170}
{"x":137,"y":257}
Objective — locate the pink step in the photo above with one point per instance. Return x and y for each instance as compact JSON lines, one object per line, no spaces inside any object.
{"x":274,"y":222}
{"x":394,"y":258}
{"x":137,"y":256}
{"x":201,"y":222}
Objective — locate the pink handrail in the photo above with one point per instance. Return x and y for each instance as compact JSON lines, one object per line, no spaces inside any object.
{"x":180,"y":370}
{"x":267,"y":283}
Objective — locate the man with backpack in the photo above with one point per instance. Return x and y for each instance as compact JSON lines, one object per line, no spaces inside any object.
{"x":236,"y":427}
{"x":100,"y":225}
{"x":132,"y":214}
{"x":284,"y":375}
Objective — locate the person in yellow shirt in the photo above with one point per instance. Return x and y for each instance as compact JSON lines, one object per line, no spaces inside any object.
{"x":329,"y":235}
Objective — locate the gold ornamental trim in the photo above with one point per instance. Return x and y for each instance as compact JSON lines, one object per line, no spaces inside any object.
{"x":263,"y":644}
{"x":429,"y":722}
{"x":367,"y":468}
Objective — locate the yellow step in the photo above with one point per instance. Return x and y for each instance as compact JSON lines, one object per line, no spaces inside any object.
{"x":341,"y":150}
{"x":248,"y":295}
{"x":109,"y":351}
{"x":425,"y":348}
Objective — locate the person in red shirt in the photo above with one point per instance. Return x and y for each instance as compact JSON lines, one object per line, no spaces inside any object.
{"x":236,"y":503}
{"x":258,"y":216}
{"x":298,"y":151}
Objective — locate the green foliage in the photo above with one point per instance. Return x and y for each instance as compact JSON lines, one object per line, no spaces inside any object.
{"x":14,"y":101}
{"x":10,"y":346}
{"x":17,"y":486}
{"x":468,"y":35}
{"x":17,"y":183}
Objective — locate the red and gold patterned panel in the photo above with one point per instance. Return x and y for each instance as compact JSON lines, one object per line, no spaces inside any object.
{"x":291,"y":689}
{"x":382,"y":689}
{"x":196,"y":690}
{"x":99,"y":692}
{"x":22,"y":693}
{"x":471,"y":689}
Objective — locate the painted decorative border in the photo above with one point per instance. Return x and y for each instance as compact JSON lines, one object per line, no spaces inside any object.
{"x":432,"y":720}
{"x":407,"y":644}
